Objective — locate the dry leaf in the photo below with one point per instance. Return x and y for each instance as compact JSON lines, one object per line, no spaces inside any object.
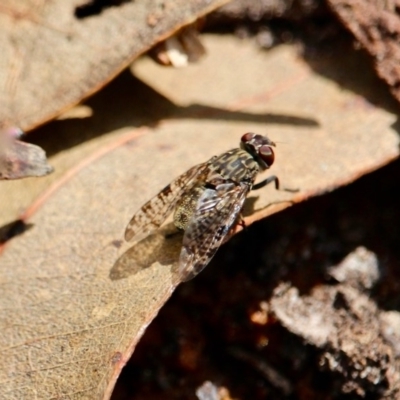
{"x":237,"y":11}
{"x":180,"y":49}
{"x":19,"y":159}
{"x":54,"y":53}
{"x":376,"y":25}
{"x":71,"y":313}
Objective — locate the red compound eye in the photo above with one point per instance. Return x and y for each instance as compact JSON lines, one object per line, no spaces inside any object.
{"x":267,"y":154}
{"x":247,"y":137}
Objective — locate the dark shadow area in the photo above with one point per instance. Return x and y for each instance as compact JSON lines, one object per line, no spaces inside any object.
{"x":129,"y":102}
{"x":212,"y":328}
{"x":13,"y":229}
{"x":95,"y":7}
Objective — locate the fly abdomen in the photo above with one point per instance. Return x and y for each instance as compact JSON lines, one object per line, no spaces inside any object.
{"x":186,"y":206}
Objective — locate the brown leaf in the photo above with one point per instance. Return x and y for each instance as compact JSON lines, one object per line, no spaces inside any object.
{"x":180,"y":49}
{"x":238,"y":10}
{"x":55,"y":53}
{"x":71,"y":313}
{"x":376,"y":25}
{"x":19,"y":159}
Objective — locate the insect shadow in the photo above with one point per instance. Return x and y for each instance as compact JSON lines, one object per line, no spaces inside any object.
{"x":250,"y":208}
{"x":163,"y":246}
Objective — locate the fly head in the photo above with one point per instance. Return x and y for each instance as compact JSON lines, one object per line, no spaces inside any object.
{"x":260,"y":148}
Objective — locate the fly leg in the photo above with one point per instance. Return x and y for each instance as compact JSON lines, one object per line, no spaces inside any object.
{"x":269,"y":180}
{"x":239,"y":221}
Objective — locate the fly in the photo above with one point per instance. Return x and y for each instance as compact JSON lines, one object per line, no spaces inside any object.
{"x":207,"y":201}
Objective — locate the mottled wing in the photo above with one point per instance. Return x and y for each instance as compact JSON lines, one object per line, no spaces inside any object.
{"x":155,"y":211}
{"x":216,"y":212}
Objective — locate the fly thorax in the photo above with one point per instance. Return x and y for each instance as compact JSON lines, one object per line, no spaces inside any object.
{"x":236,"y":165}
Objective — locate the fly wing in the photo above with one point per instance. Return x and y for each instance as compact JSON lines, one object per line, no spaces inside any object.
{"x":155,"y":211}
{"x":216,"y":212}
